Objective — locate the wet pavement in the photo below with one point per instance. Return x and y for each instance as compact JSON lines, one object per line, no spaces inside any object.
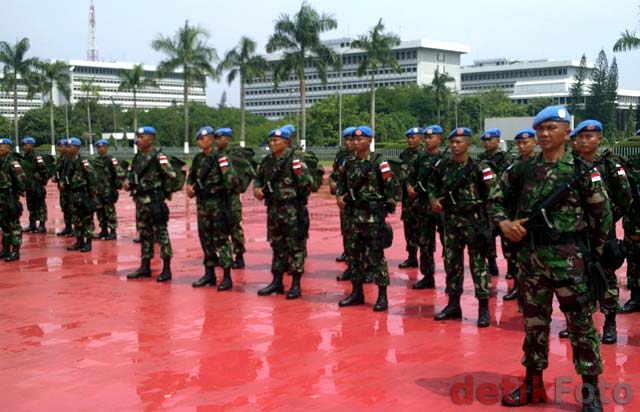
{"x":76,"y":335}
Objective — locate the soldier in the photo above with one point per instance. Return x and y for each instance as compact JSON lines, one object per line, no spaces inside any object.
{"x":37,"y":174}
{"x":212,"y":181}
{"x":498,"y":161}
{"x":459,"y":187}
{"x":409,"y":214}
{"x":109,"y":177}
{"x":12,"y":185}
{"x":367,"y":188}
{"x":339,"y":164}
{"x":79,"y":181}
{"x":552,"y":253}
{"x":148,"y":179}
{"x":631,"y":224}
{"x":526,"y":141}
{"x":418,"y":182}
{"x":284,"y":182}
{"x":589,"y":138}
{"x":61,"y":166}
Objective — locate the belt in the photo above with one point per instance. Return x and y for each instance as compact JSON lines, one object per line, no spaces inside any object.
{"x":540,"y":239}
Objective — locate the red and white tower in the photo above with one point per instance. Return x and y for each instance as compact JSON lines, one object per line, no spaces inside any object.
{"x":92,"y":52}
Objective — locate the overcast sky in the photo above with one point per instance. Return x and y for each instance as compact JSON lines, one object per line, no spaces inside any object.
{"x":522,"y":29}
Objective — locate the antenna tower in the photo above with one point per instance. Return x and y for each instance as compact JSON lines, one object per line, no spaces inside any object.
{"x":92,"y":52}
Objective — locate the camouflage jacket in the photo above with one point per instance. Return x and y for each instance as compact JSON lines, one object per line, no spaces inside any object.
{"x":338,"y":165}
{"x":631,"y":221}
{"x":109,"y":174}
{"x":369,"y":187}
{"x":408,"y":158}
{"x":420,"y":175}
{"x":12,"y":178}
{"x":586,"y":208}
{"x":294,"y":182}
{"x":498,"y":161}
{"x":35,"y":171}
{"x":147,"y":178}
{"x":61,"y":165}
{"x":618,"y":189}
{"x":78,"y":176}
{"x":214,"y":179}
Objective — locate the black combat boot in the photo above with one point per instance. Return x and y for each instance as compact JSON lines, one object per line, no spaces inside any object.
{"x":41,"y":228}
{"x":31,"y":227}
{"x":239,"y":262}
{"x":226,"y":283}
{"x":144,"y":271}
{"x":104,"y":232}
{"x":633,"y":305}
{"x":5,"y":250}
{"x":382,"y":303}
{"x":275,"y":286}
{"x":209,"y":278}
{"x":532,"y":391}
{"x":13,"y":255}
{"x":342,"y":257}
{"x":492,"y":266}
{"x":355,"y":298}
{"x":65,"y":231}
{"x":346,"y":275}
{"x":111,"y":236}
{"x":427,"y":282}
{"x":369,"y":278}
{"x":512,"y":294}
{"x":78,"y":245}
{"x":294,"y":292}
{"x":165,"y":275}
{"x":484,"y":318}
{"x":412,"y":260}
{"x":86,"y":247}
{"x":452,"y":310}
{"x":591,"y":401}
{"x":609,"y":332}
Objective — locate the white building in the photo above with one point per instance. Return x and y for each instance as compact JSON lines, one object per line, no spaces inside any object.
{"x":24,"y":103}
{"x":418,"y":60}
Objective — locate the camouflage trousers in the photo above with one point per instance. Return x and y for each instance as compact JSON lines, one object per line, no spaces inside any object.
{"x":632,"y":242}
{"x":81,"y":218}
{"x":106,"y":213}
{"x":458,"y":232}
{"x":365,"y":253}
{"x":37,"y":206}
{"x":214,"y":238}
{"x":429,"y":223}
{"x":411,"y":225}
{"x":64,"y":206}
{"x":345,"y":229}
{"x":151,"y":231}
{"x":11,"y":230}
{"x":287,"y":241}
{"x":237,"y":232}
{"x":549,"y":270}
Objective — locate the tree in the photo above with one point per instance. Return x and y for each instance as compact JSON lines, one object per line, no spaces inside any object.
{"x":90,"y":89}
{"x":54,"y":74}
{"x":242,"y":62}
{"x":612,"y":97}
{"x":439,"y":84}
{"x":187,"y":50}
{"x":17,"y":69}
{"x":379,"y":49}
{"x":223,"y":100}
{"x":596,"y":107}
{"x":628,"y":41}
{"x":134,"y":80}
{"x":299,"y":39}
{"x":577,"y":88}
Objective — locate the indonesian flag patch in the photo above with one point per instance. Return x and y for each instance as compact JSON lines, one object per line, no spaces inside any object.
{"x":163,"y":160}
{"x":224,"y":163}
{"x":297,"y":166}
{"x":595,"y":176}
{"x":487,"y":174}
{"x":85,"y":163}
{"x":621,"y":171}
{"x":39,"y":159}
{"x":385,"y":169}
{"x":114,"y":161}
{"x":16,"y":166}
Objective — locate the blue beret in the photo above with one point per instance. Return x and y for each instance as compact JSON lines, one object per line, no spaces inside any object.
{"x":281,"y":133}
{"x":61,"y":142}
{"x":363,"y":131}
{"x":28,"y":140}
{"x":572,"y":134}
{"x":433,"y":129}
{"x":101,"y":142}
{"x":588,"y":125}
{"x":204,"y":131}
{"x":146,"y":130}
{"x":526,"y":134}
{"x":460,"y":131}
{"x":552,"y":113}
{"x":224,"y":131}
{"x":490,"y":134}
{"x":413,"y":131}
{"x":638,"y":132}
{"x":289,"y":127}
{"x":348,"y":131}
{"x":5,"y":140}
{"x":74,"y":141}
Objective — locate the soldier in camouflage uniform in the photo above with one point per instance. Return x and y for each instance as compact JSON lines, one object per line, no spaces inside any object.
{"x":589,"y":138}
{"x":409,"y":214}
{"x":212,"y":181}
{"x":12,"y":186}
{"x":498,"y":161}
{"x":631,"y":224}
{"x":79,"y":181}
{"x":37,"y":176}
{"x":459,"y":188}
{"x":338,"y":168}
{"x":284,"y":182}
{"x":417,"y":184}
{"x":553,"y":262}
{"x":109,"y":178}
{"x":148,"y":179}
{"x":61,"y":165}
{"x":367,"y":188}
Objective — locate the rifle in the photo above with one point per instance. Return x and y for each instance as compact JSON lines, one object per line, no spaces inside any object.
{"x":226,"y":219}
{"x":426,"y":176}
{"x":449,"y":198}
{"x":275,"y":178}
{"x":133,"y":185}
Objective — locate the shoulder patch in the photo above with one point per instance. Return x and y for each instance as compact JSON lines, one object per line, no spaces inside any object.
{"x":224,"y":163}
{"x":85,"y":163}
{"x":487,"y":174}
{"x":17,"y":166}
{"x":620,"y":170}
{"x":296,"y":164}
{"x":595,"y":176}
{"x":114,"y":161}
{"x":385,"y":169}
{"x":162,"y":159}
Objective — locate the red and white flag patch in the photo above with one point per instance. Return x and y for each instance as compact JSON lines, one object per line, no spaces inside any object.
{"x":621,"y":171}
{"x":297,"y":166}
{"x":39,"y":159}
{"x":595,"y":176}
{"x":16,"y":166}
{"x":85,"y":162}
{"x":224,"y":163}
{"x":163,"y":160}
{"x":385,"y":169}
{"x":487,"y":174}
{"x":114,"y":161}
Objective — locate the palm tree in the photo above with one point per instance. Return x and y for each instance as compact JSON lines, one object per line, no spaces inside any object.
{"x":189,"y":51}
{"x":133,"y":80}
{"x":439,"y":84}
{"x":627,"y":42}
{"x":299,"y":40}
{"x":243,"y":62}
{"x":54,"y":74}
{"x":378,"y":47}
{"x":17,"y":69}
{"x":90,"y":89}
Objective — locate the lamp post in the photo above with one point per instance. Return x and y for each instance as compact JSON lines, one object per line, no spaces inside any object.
{"x":340,"y":103}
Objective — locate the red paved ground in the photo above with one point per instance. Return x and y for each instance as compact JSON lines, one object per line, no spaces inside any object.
{"x":77,"y":336}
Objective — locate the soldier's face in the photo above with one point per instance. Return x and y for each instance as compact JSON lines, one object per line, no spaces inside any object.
{"x":62,"y":150}
{"x":362,"y":144}
{"x":4,"y":149}
{"x":205,"y":143}
{"x":526,"y":146}
{"x":574,"y":145}
{"x":459,"y":145}
{"x":348,"y":144}
{"x":491,"y":144}
{"x":551,"y":135}
{"x":144,"y":141}
{"x":278,"y":145}
{"x":588,"y":141}
{"x":103,"y":150}
{"x":222,"y":142}
{"x":414,"y":141}
{"x":73,"y":150}
{"x":433,"y":141}
{"x":28,"y":148}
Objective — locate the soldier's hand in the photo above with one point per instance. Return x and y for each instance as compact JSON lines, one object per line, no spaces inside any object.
{"x":411,"y":191}
{"x":125,"y":185}
{"x":513,"y":230}
{"x":191,"y":192}
{"x":258,"y":193}
{"x":333,"y":187}
{"x":340,"y":200}
{"x":436,"y":206}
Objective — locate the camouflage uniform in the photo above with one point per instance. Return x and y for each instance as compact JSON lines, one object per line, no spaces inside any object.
{"x":79,"y":182}
{"x":631,"y":224}
{"x":12,"y":185}
{"x":109,"y":178}
{"x":36,"y":193}
{"x":556,"y":267}
{"x":61,"y":169}
{"x":337,"y":169}
{"x":409,"y":215}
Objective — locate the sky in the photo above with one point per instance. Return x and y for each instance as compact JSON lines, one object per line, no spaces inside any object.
{"x":522,"y":29}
